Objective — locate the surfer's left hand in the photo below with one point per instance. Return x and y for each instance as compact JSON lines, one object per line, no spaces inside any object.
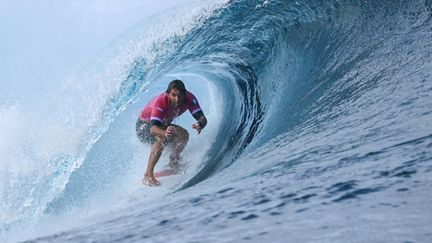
{"x":197,"y":127}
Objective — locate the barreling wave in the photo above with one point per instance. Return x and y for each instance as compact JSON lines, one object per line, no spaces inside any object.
{"x":285,"y":56}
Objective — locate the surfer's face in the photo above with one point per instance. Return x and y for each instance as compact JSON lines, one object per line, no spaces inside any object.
{"x":175,"y":97}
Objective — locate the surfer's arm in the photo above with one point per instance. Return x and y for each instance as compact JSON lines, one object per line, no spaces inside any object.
{"x":201,"y":121}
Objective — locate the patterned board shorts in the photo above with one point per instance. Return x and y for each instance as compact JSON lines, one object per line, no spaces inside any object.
{"x":143,"y":132}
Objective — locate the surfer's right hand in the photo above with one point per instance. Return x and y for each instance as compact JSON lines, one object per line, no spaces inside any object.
{"x":170,"y":131}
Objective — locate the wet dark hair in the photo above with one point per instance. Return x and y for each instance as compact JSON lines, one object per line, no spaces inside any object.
{"x":176,"y":84}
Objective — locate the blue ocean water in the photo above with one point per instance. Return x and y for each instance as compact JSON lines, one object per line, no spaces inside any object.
{"x":320,"y":130}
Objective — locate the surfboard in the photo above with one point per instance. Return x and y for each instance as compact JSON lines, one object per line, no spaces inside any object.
{"x":165,"y":172}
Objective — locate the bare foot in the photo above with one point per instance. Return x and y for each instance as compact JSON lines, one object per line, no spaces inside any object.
{"x":150,"y":181}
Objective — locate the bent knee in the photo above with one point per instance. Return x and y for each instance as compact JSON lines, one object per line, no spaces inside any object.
{"x":183,"y":133}
{"x":159,"y":144}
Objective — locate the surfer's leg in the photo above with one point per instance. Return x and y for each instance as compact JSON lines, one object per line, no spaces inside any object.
{"x":155,"y":154}
{"x":179,"y":143}
{"x":143,"y":132}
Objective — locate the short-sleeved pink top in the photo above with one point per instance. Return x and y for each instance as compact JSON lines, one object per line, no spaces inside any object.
{"x":159,"y":109}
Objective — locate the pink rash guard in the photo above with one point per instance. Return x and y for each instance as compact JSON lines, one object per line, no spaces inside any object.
{"x":159,"y":111}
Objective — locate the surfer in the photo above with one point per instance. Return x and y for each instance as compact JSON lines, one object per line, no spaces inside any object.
{"x":154,"y":125}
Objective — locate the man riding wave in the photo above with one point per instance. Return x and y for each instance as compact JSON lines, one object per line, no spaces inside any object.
{"x":154,"y":125}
